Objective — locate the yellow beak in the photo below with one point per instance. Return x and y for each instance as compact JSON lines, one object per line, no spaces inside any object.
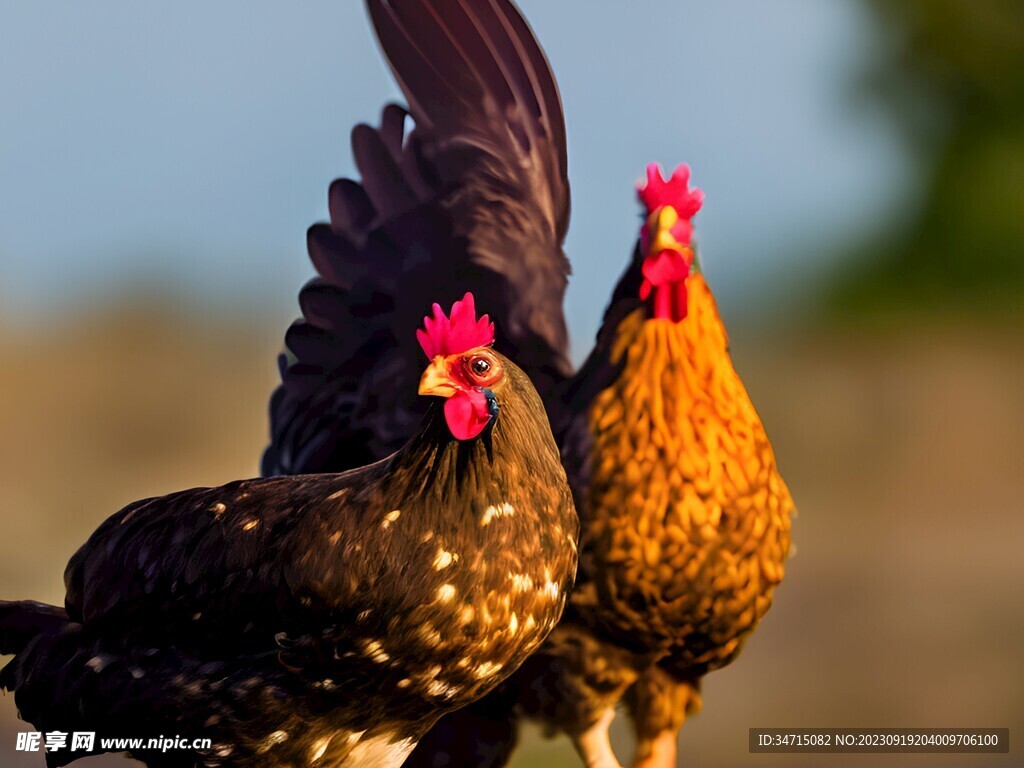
{"x":437,"y":380}
{"x":660,"y":225}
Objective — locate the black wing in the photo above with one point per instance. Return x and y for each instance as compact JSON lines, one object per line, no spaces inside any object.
{"x":215,"y":559}
{"x":475,"y":198}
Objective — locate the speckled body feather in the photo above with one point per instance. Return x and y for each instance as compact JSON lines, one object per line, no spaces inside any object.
{"x":319,"y":620}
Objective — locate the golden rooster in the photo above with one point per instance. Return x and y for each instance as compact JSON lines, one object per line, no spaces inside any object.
{"x":686,"y":516}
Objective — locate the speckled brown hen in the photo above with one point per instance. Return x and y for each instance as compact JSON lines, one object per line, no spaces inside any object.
{"x":317,"y":620}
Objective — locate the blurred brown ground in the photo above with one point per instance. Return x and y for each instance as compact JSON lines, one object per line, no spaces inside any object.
{"x":903,"y":447}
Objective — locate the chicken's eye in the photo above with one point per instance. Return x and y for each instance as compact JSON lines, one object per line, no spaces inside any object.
{"x":479,"y":366}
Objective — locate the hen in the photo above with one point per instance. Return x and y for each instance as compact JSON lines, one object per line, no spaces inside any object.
{"x":685,"y":516}
{"x":323,"y":620}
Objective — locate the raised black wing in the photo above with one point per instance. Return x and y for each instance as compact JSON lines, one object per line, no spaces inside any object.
{"x":475,"y":198}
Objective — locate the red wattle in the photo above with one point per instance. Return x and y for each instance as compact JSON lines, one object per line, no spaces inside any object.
{"x":665,"y":278}
{"x":467,"y":414}
{"x":669,"y":302}
{"x":665,"y":267}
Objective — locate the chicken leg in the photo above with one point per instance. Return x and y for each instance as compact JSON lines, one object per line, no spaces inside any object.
{"x":659,"y":705}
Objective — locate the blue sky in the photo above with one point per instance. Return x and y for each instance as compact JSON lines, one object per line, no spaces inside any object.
{"x":190,"y":145}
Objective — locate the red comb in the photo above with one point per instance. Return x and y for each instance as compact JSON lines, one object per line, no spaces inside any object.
{"x":442,"y":335}
{"x":676,"y":192}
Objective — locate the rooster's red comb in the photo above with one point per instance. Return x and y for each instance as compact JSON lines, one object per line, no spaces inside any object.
{"x":676,"y":192}
{"x":444,"y":335}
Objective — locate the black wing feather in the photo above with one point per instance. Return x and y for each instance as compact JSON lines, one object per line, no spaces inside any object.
{"x":475,"y":198}
{"x":490,"y":124}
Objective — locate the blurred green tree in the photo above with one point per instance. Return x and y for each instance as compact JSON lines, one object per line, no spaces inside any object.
{"x":951,"y":76}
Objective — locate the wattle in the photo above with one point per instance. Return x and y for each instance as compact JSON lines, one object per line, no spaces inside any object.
{"x":665,"y":267}
{"x":665,"y":277}
{"x":467,"y":414}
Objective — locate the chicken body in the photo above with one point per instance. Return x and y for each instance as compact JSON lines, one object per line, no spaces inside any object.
{"x":686,"y":526}
{"x":323,"y":620}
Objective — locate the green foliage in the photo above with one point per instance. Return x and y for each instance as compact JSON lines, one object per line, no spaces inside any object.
{"x":952,"y":78}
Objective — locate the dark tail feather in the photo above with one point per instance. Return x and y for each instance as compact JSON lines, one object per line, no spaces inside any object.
{"x":474,"y":198}
{"x":22,"y":620}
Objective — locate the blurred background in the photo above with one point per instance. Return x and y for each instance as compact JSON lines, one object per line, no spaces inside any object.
{"x":864,"y":232}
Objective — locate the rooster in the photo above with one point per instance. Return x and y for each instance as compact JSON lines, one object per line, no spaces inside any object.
{"x":685,"y":516}
{"x":323,"y":620}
